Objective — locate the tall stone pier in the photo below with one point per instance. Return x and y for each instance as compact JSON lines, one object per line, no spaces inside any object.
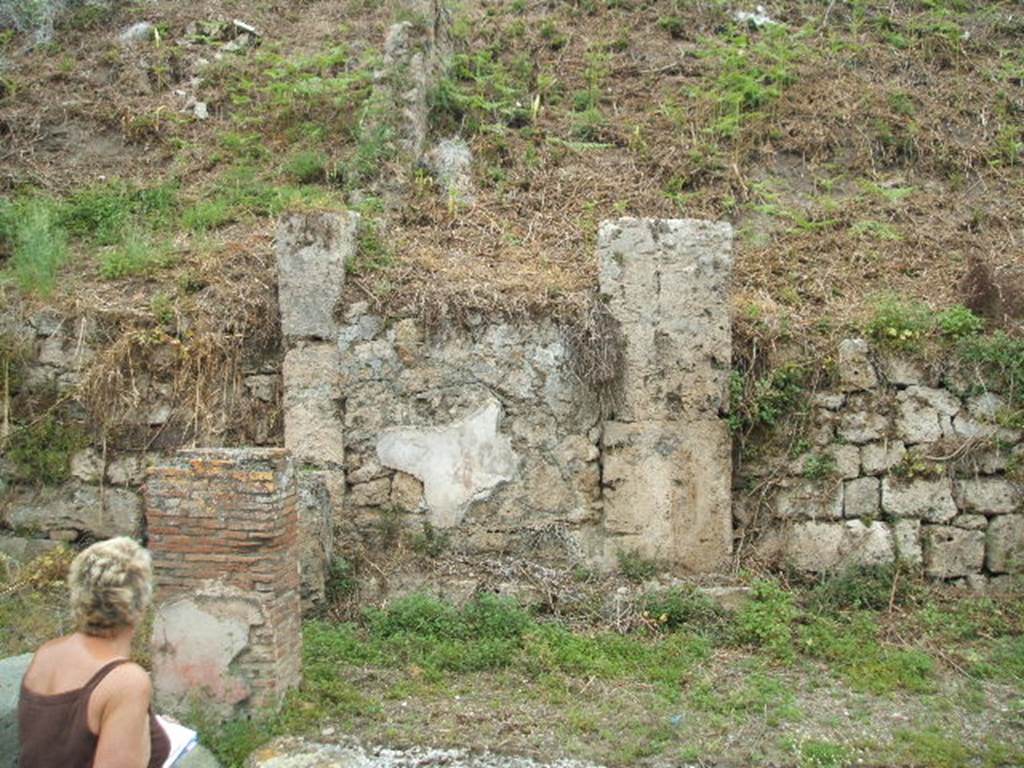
{"x":666,"y":453}
{"x":312,"y":249}
{"x":223,"y":531}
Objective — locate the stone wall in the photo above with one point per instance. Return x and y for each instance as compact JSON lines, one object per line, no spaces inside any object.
{"x":900,"y":464}
{"x":223,"y":531}
{"x":485,"y":433}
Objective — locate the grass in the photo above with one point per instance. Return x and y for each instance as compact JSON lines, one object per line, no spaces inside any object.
{"x":41,"y":451}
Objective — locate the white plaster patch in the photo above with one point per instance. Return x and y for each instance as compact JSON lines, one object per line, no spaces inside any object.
{"x":457,"y":464}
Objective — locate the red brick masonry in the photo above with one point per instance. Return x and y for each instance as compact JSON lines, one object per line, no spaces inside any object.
{"x":228,"y":518}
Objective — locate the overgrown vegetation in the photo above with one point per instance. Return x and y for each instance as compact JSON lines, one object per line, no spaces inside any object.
{"x":41,"y":450}
{"x":425,"y":650}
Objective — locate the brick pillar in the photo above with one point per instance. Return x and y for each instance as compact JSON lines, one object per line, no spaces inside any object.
{"x":223,"y":531}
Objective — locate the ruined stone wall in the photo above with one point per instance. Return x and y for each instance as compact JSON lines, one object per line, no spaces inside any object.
{"x":900,"y":463}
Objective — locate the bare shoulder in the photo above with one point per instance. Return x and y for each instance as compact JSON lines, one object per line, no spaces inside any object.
{"x":131,"y":678}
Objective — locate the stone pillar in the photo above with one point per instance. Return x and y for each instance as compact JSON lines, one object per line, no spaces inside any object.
{"x":667,"y":463}
{"x":312,"y":249}
{"x":223,"y":530}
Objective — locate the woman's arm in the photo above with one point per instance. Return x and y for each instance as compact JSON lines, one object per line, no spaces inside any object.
{"x":124,"y":723}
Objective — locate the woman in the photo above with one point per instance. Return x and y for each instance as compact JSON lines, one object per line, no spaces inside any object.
{"x":83,"y":703}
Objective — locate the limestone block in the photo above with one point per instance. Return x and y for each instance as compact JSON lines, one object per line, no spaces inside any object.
{"x":1005,"y":545}
{"x":406,"y":492}
{"x":312,"y":249}
{"x":901,"y":372}
{"x":829,"y":401}
{"x":818,"y":547}
{"x":12,"y":669}
{"x":83,"y":508}
{"x":925,"y":414}
{"x":907,"y":538}
{"x":952,"y":552}
{"x":862,"y":427}
{"x":862,"y":498}
{"x":22,"y":549}
{"x":359,"y":329}
{"x":667,"y":491}
{"x":930,"y":500}
{"x":263,"y":386}
{"x":879,"y":458}
{"x":971,"y":522}
{"x":666,"y":282}
{"x":845,"y":457}
{"x":196,"y":640}
{"x":451,"y":163}
{"x":990,"y":496}
{"x":374,"y":493}
{"x":313,"y":429}
{"x":315,"y":505}
{"x":87,"y":465}
{"x":855,"y":368}
{"x":810,"y":499}
{"x":457,"y":464}
{"x":129,"y":469}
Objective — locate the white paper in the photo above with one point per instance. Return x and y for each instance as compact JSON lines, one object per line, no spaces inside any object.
{"x":182,"y":739}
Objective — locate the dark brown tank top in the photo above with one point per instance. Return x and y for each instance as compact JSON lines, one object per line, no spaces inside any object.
{"x":54,"y":730}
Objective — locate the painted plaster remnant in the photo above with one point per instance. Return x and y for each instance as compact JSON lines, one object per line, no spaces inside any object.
{"x":457,"y":464}
{"x":195,"y":641}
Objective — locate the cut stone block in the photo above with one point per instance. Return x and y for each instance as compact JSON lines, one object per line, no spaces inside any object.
{"x":907,"y":537}
{"x":809,"y":499}
{"x":925,"y":414}
{"x":952,"y":552}
{"x":819,"y":547}
{"x":862,"y":498}
{"x":855,"y":368}
{"x":862,"y":427}
{"x":666,"y":281}
{"x":87,"y":509}
{"x":312,"y":249}
{"x":879,"y":458}
{"x":990,"y":496}
{"x":667,"y":491}
{"x":930,"y":500}
{"x":313,"y":427}
{"x":1005,"y":547}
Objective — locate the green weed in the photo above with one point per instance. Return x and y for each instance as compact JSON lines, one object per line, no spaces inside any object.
{"x":684,"y":608}
{"x":136,"y":255}
{"x":819,"y":466}
{"x":306,"y":166}
{"x":898,"y":322}
{"x":481,"y":92}
{"x":106,"y":213}
{"x":635,"y":566}
{"x":863,"y":588}
{"x":41,"y":451}
{"x":999,"y":358}
{"x":958,"y":322}
{"x":751,"y":72}
{"x":815,"y":753}
{"x":762,"y":402}
{"x":765,"y":621}
{"x":31,"y":232}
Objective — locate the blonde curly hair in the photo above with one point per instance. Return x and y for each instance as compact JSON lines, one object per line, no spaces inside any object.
{"x":111,"y":584}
